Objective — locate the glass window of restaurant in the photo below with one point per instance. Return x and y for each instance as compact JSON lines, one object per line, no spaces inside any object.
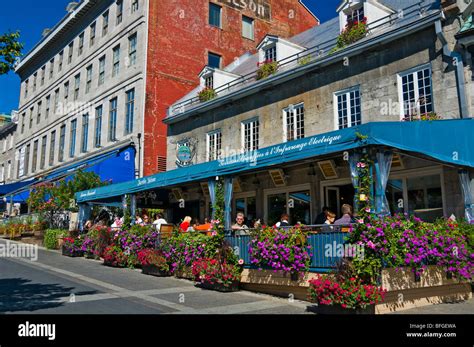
{"x":295,"y":201}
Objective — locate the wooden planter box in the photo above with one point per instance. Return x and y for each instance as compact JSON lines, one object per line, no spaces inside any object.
{"x":154,"y":271}
{"x":76,"y":254}
{"x":337,"y":309}
{"x":234,"y":287}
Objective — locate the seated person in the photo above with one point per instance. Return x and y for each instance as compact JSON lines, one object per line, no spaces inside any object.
{"x":239,"y":227}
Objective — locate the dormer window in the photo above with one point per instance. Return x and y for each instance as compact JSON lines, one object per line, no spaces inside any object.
{"x":209,"y":81}
{"x":355,"y":15}
{"x":271,"y":54}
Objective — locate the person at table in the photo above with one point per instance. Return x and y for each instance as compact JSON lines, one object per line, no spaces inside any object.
{"x":346,"y":218}
{"x":284,"y":221}
{"x":240,"y":228}
{"x":158,"y":221}
{"x":330,"y":217}
{"x":186,"y":224}
{"x":322,"y":217}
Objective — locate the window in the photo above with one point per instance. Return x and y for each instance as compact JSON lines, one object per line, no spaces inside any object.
{"x":56,"y":100}
{"x":356,"y":15}
{"x":98,"y":126}
{"x":248,"y":27}
{"x":70,"y":52}
{"x":416,"y":93}
{"x":215,"y":15}
{"x":48,"y":105}
{"x":92,"y":35}
{"x":134,"y":6}
{"x":72,"y":140}
{"x":81,"y":44}
{"x":23,"y":120}
{"x":214,"y":145}
{"x":213,"y":60}
{"x":105,"y":23}
{"x":35,"y":78}
{"x":38,"y":114}
{"x":85,"y":133}
{"x":9,"y":169}
{"x":31,"y":117}
{"x":250,"y":135}
{"x":43,"y":73}
{"x":88,"y":78}
{"x":26,"y":89}
{"x":132,"y":49}
{"x":35,"y":156}
{"x":348,"y":108}
{"x":27,"y":159}
{"x":116,"y":61}
{"x":61,"y":58}
{"x":209,"y":81}
{"x":62,"y":142}
{"x":101,"y":70}
{"x":299,"y":211}
{"x":113,"y":120}
{"x":77,"y":85}
{"x":66,"y":91}
{"x":271,"y":54}
{"x":52,"y":148}
{"x":119,"y":11}
{"x":51,"y":68}
{"x":130,"y":111}
{"x":43,"y":151}
{"x":293,"y":122}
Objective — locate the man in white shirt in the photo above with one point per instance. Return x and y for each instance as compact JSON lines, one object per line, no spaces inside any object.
{"x":158,"y":221}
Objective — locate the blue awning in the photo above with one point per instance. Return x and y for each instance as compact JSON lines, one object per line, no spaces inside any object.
{"x":114,"y":166}
{"x":427,"y":138}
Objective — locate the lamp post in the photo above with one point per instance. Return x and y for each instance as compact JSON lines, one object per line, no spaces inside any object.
{"x":138,"y":171}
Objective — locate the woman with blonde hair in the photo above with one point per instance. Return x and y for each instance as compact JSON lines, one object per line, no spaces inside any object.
{"x":184,"y":226}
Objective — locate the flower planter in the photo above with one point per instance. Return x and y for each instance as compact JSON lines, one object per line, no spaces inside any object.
{"x":337,"y":309}
{"x":154,"y":271}
{"x":89,"y":255}
{"x":185,"y":273}
{"x":220,"y":287}
{"x":112,"y":264}
{"x":72,"y":254}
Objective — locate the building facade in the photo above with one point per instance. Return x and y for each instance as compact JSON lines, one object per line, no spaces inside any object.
{"x":103,"y":77}
{"x":401,"y":71}
{"x":7,"y":153}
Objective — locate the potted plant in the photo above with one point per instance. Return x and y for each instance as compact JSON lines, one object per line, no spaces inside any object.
{"x":266,"y":69}
{"x":215,"y":275}
{"x":72,"y":247}
{"x":115,"y":257}
{"x":342,"y":295}
{"x":153,"y":263}
{"x":207,"y":94}
{"x":89,"y":247}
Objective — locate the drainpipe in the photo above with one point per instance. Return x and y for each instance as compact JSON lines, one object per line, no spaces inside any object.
{"x":456,"y":58}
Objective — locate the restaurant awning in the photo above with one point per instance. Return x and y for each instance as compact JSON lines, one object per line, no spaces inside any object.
{"x":447,"y":141}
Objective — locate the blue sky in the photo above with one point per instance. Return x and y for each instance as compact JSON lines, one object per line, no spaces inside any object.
{"x":32,"y":16}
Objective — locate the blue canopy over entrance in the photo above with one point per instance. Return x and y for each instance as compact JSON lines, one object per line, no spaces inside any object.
{"x":427,"y":138}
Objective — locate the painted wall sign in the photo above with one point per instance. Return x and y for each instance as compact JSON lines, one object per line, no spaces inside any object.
{"x":260,"y":8}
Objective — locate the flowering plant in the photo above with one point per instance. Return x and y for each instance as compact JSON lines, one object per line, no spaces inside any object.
{"x":183,"y":249}
{"x":207,"y":94}
{"x":349,"y":293}
{"x":281,"y":250}
{"x":266,"y":69}
{"x":213,"y":271}
{"x":133,"y":240}
{"x":114,"y":256}
{"x":72,"y":245}
{"x":152,"y":257}
{"x":353,"y":32}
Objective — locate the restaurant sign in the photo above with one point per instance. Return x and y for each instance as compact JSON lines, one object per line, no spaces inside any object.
{"x":260,"y":8}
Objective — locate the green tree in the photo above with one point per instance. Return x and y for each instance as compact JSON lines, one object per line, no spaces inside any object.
{"x":10,"y":50}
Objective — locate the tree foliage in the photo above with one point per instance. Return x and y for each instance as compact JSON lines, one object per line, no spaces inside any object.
{"x":10,"y":50}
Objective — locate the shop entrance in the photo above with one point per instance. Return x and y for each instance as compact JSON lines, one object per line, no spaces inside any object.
{"x":338,"y":195}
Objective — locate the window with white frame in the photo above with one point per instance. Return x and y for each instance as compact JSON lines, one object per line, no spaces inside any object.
{"x":271,"y":53}
{"x":88,"y":78}
{"x":415,"y":92}
{"x":134,"y":6}
{"x":209,"y":81}
{"x":43,"y":73}
{"x":81,"y":44}
{"x":214,"y":145}
{"x":51,"y":68}
{"x":250,"y":135}
{"x":101,"y":70}
{"x":132,"y":49}
{"x":61,"y":58}
{"x":92,"y":34}
{"x":105,"y":23}
{"x":119,"y":11}
{"x":348,"y":108}
{"x":9,"y":169}
{"x":48,"y":105}
{"x":70,"y":52}
{"x":356,"y":15}
{"x":116,"y":61}
{"x":293,"y":122}
{"x":77,"y":85}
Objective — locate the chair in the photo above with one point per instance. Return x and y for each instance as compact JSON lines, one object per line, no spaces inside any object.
{"x":166,"y":230}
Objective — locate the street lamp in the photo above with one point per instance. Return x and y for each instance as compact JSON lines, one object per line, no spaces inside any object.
{"x":138,"y":170}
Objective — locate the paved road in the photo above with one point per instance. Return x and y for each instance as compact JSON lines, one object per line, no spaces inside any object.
{"x":55,"y":284}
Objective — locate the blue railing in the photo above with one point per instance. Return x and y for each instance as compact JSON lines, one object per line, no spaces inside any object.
{"x":323,"y":249}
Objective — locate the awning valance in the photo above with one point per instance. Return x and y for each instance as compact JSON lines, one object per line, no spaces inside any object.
{"x":448,"y":141}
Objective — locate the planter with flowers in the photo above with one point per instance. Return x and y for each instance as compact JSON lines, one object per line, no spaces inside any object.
{"x":207,"y":94}
{"x":353,"y":32}
{"x":153,"y":263}
{"x":339,"y":295}
{"x":266,"y":69}
{"x":216,"y":275}
{"x":115,"y":257}
{"x":72,"y":247}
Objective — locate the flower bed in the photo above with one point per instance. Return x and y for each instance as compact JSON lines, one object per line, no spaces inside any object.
{"x":281,"y":250}
{"x":72,"y":247}
{"x":115,"y":257}
{"x":216,"y":275}
{"x":153,"y":263}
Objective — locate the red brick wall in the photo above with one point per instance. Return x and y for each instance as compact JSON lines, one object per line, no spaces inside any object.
{"x":178,"y":43}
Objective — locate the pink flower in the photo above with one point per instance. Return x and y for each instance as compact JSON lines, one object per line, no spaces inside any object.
{"x":214,"y":233}
{"x":241,"y":262}
{"x":370,"y":244}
